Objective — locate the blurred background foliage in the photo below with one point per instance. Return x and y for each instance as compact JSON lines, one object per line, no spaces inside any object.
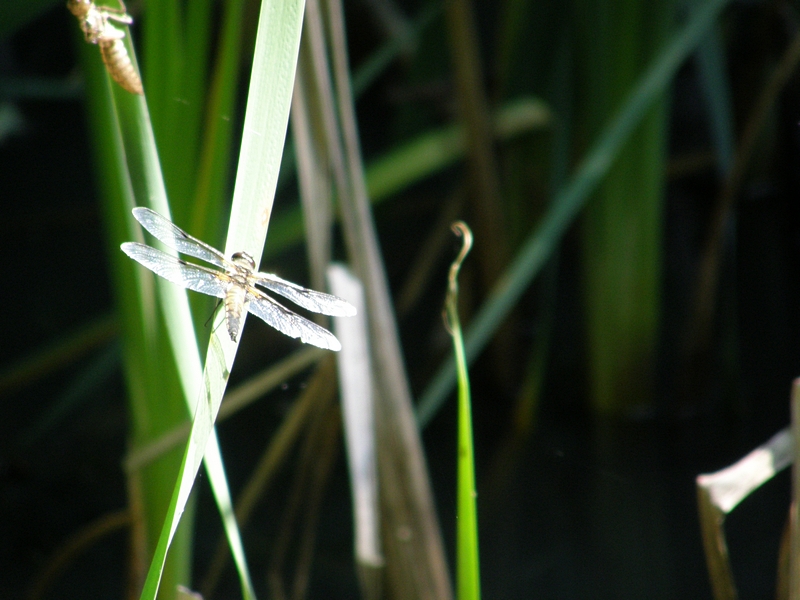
{"x":659,"y":340}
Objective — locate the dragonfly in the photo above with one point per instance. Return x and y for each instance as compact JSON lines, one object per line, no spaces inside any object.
{"x":235,"y":283}
{"x":97,"y":29}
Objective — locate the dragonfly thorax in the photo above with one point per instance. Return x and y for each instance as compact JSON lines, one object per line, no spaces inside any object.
{"x":243,"y":259}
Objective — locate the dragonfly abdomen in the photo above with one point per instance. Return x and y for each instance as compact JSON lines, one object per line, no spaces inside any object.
{"x":118,"y":62}
{"x":235,"y":305}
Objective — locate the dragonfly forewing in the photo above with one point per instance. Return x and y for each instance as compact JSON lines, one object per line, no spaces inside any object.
{"x":193,"y":277}
{"x":175,"y":237}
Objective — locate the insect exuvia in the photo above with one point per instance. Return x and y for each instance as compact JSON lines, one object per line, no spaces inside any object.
{"x":97,"y":29}
{"x":236,"y":283}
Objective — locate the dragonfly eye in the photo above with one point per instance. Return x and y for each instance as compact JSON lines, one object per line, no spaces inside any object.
{"x":244,"y":259}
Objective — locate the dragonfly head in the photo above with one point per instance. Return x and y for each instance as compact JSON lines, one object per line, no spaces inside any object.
{"x":243,"y":259}
{"x":79,"y":8}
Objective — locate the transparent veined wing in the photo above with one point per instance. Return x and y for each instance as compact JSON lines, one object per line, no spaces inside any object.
{"x":171,"y":268}
{"x":236,"y":283}
{"x":288,"y":322}
{"x":318,"y":302}
{"x":175,"y":237}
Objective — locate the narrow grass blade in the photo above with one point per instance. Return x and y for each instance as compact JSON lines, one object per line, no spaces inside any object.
{"x":357,"y":384}
{"x":467,"y":564}
{"x":313,"y":175}
{"x":377,"y":64}
{"x":151,"y":373}
{"x":212,"y":171}
{"x":177,"y":43}
{"x":263,"y":138}
{"x":713,"y":74}
{"x":540,"y":245}
{"x":181,"y":331}
{"x":419,"y":158}
{"x":147,"y":182}
{"x":418,"y":565}
{"x":622,"y":225}
{"x":313,"y":400}
{"x":235,"y":400}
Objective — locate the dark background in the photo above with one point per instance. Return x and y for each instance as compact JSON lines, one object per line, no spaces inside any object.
{"x":591,"y":509}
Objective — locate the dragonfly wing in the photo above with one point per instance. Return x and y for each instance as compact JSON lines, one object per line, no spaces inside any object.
{"x":175,"y":237}
{"x":289,"y":323}
{"x":171,"y":268}
{"x":318,"y":302}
